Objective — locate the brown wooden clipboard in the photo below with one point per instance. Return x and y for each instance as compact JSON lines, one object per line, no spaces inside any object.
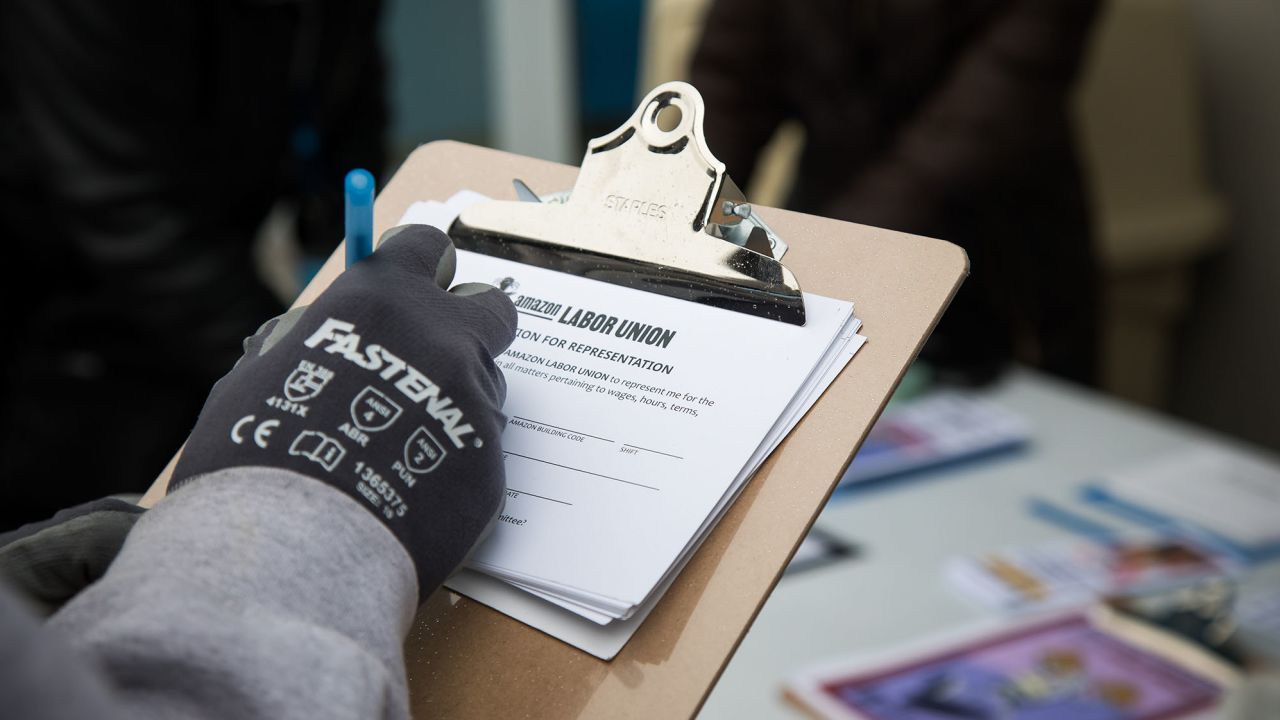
{"x":465,"y":660}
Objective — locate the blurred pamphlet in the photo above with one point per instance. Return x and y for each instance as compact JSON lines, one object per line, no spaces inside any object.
{"x":1079,"y":666}
{"x":1079,"y":572}
{"x":1229,"y":500}
{"x":935,"y":429}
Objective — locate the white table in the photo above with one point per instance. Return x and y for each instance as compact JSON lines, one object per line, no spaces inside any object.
{"x":894,"y":591}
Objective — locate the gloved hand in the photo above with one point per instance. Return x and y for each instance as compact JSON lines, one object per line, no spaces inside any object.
{"x":386,"y":389}
{"x":49,"y":562}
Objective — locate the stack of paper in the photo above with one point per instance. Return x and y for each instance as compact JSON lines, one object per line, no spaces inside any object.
{"x":634,"y":421}
{"x":936,"y":429}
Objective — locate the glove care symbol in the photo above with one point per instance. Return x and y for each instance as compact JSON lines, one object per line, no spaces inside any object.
{"x":306,"y":381}
{"x":422,"y":453}
{"x":318,"y":448}
{"x":372,"y":410}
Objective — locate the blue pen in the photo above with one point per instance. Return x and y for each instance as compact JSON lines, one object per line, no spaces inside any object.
{"x":359,"y":189}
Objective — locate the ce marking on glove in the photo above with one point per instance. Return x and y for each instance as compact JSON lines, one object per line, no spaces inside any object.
{"x":261,"y":434}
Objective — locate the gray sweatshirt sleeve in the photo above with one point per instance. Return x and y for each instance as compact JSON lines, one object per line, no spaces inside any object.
{"x":258,"y":594}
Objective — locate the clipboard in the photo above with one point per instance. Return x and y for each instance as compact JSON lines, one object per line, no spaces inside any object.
{"x":465,"y":660}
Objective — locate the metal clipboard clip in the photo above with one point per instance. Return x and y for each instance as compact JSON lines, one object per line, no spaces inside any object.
{"x":651,"y":209}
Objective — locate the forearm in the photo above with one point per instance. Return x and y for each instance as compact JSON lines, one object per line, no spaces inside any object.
{"x":258,"y":594}
{"x":262,"y":592}
{"x":40,"y":675}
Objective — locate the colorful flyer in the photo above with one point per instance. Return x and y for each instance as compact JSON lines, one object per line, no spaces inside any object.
{"x":1064,"y":669}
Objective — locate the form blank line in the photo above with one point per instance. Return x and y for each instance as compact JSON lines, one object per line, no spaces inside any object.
{"x":575,"y":432}
{"x":585,"y":472}
{"x":542,"y":497}
{"x":652,"y":451}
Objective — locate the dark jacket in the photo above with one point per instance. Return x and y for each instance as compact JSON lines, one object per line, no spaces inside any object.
{"x":946,"y":118}
{"x":141,"y":146}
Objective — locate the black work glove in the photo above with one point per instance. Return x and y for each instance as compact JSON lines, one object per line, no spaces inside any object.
{"x":386,"y":389}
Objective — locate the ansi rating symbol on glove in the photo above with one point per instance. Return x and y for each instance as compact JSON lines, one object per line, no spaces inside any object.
{"x":373,"y":411}
{"x":423,"y":452}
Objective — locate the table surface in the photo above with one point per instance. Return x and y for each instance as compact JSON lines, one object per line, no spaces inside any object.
{"x":893,"y":590}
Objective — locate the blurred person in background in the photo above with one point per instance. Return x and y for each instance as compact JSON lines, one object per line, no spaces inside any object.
{"x":945,"y":118}
{"x":143,"y":145}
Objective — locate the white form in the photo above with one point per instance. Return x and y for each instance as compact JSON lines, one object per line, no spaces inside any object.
{"x":837,"y":357}
{"x":630,"y":415}
{"x":634,"y":420}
